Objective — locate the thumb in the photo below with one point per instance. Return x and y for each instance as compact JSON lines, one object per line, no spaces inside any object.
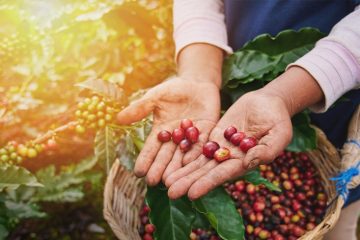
{"x":136,"y":111}
{"x":269,"y":146}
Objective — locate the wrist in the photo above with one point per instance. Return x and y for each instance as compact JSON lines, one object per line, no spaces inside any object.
{"x":297,"y":89}
{"x":201,"y":62}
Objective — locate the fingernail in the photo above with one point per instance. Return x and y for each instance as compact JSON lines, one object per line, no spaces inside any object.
{"x":253,"y":163}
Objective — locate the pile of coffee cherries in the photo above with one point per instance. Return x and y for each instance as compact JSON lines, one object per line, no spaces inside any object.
{"x":184,"y":136}
{"x":94,"y":113}
{"x":271,"y":215}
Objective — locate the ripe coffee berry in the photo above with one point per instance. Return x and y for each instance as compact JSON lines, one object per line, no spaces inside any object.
{"x":164,"y":136}
{"x":149,"y":228}
{"x":236,"y":138}
{"x":229,"y":132}
{"x":185,"y":145}
{"x":210,"y":148}
{"x":192,"y":134}
{"x":222,"y":154}
{"x":186,"y":123}
{"x":178,"y":135}
{"x":247,"y":143}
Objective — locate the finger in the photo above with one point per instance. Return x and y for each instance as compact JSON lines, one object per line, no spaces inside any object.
{"x":160,"y":163}
{"x":136,"y":111}
{"x":182,"y":172}
{"x":269,"y":146}
{"x":174,"y":165}
{"x":147,"y":154}
{"x":196,"y":149}
{"x":181,"y":186}
{"x":220,"y":174}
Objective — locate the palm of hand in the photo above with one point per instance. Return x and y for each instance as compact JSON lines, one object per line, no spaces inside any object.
{"x":259,"y":115}
{"x":171,"y":102}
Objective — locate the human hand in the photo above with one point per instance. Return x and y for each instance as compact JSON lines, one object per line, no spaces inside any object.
{"x":170,"y":102}
{"x":260,"y":114}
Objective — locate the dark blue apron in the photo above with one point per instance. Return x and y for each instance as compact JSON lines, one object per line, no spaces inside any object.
{"x":246,"y":19}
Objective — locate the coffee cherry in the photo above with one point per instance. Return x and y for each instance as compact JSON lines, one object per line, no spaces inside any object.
{"x":164,"y":136}
{"x":229,"y":132}
{"x":287,"y":185}
{"x":147,"y":236}
{"x":22,"y":150}
{"x":240,"y":185}
{"x":178,"y":135}
{"x":185,"y":145}
{"x":247,"y":143}
{"x":222,"y":154}
{"x":32,"y":153}
{"x":192,"y":134}
{"x":210,"y":148}
{"x":149,"y":228}
{"x":186,"y":123}
{"x":250,"y":189}
{"x":51,"y":144}
{"x":263,"y":234}
{"x":236,"y":138}
{"x":80,"y":129}
{"x":259,"y":206}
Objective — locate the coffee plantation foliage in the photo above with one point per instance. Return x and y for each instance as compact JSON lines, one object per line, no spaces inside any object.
{"x":53,"y":55}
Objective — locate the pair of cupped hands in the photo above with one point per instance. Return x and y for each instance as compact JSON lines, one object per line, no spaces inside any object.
{"x":260,"y":114}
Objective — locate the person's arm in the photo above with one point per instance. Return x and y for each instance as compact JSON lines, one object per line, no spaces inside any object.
{"x":199,"y":22}
{"x":334,"y":63}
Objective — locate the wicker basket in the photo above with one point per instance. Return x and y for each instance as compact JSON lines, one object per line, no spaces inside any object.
{"x":124,"y":192}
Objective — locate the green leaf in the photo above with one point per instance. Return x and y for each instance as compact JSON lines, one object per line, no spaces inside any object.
{"x":126,"y":158}
{"x":172,"y":218}
{"x":23,"y":210}
{"x":105,"y":89}
{"x":12,"y":177}
{"x":247,"y":65}
{"x":304,"y":136}
{"x":201,"y":221}
{"x":289,"y":45}
{"x":105,"y":147}
{"x":3,"y":232}
{"x":221,"y":212}
{"x":255,"y":178}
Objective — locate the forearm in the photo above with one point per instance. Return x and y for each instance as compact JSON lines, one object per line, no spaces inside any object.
{"x":201,"y":62}
{"x":297,"y":88}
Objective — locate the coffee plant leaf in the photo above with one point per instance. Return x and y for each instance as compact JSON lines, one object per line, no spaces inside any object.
{"x":105,"y":147}
{"x":12,"y":177}
{"x":105,"y":89}
{"x":304,"y":136}
{"x":289,"y":45}
{"x":247,"y":65}
{"x":218,"y":207}
{"x":172,"y":218}
{"x":255,"y":178}
{"x":3,"y":232}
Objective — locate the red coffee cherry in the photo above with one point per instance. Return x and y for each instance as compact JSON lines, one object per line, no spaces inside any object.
{"x":186,"y":123}
{"x":236,"y":138}
{"x":210,"y":148}
{"x":229,"y":132}
{"x":247,"y":143}
{"x":164,"y":136}
{"x":192,"y":134}
{"x":185,"y":145}
{"x":178,"y":135}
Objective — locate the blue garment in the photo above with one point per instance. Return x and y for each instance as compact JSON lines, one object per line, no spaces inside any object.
{"x":246,"y":19}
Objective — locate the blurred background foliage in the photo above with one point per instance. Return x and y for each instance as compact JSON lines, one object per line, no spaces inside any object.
{"x":46,"y":47}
